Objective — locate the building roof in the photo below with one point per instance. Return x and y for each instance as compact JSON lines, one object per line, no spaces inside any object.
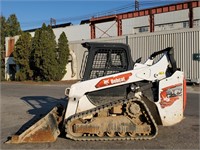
{"x":53,"y":27}
{"x":86,"y":21}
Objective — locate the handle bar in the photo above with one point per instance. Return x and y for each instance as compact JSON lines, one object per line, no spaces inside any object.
{"x":170,"y":55}
{"x":168,"y":50}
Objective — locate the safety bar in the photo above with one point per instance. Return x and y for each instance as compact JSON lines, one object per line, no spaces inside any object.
{"x":160,"y":52}
{"x":170,"y":55}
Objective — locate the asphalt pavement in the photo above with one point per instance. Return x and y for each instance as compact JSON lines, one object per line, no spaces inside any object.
{"x":20,"y":102}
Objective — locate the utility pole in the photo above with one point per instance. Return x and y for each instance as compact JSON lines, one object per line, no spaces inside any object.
{"x":52,"y":21}
{"x":136,"y":5}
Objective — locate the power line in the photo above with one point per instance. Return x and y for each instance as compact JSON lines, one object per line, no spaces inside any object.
{"x":117,"y":10}
{"x":137,"y":5}
{"x":82,"y":17}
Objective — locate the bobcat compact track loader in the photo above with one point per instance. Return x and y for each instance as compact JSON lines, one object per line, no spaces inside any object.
{"x":117,"y":99}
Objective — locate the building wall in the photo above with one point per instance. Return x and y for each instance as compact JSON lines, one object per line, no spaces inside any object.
{"x":74,"y":32}
{"x":129,"y":26}
{"x":11,"y":68}
{"x":171,"y":17}
{"x":32,"y":34}
{"x":9,"y":62}
{"x":9,"y":45}
{"x":68,"y":75}
{"x":196,"y":13}
{"x":135,"y":31}
{"x":184,"y":41}
{"x":107,"y":29}
{"x":163,"y":21}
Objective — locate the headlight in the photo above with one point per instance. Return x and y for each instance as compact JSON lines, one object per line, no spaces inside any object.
{"x":134,"y":87}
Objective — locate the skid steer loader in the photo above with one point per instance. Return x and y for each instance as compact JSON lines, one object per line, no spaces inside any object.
{"x":117,"y":99}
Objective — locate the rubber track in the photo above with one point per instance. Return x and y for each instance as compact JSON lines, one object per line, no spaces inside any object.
{"x":106,"y":138}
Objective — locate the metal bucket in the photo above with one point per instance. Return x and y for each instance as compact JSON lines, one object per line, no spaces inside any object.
{"x":45,"y":129}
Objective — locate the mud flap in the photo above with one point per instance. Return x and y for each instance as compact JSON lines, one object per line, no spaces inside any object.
{"x":45,"y":129}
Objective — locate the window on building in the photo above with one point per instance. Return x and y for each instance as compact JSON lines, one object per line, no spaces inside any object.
{"x":171,"y":25}
{"x":166,"y":26}
{"x":161,"y":27}
{"x":143,"y":29}
{"x":196,"y":23}
{"x":186,"y":24}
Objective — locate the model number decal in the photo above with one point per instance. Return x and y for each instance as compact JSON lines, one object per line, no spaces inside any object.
{"x":113,"y":80}
{"x":170,"y":94}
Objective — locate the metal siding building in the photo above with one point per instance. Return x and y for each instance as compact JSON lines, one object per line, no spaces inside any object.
{"x":164,"y":20}
{"x":129,"y":25}
{"x":171,"y":17}
{"x":171,"y":29}
{"x":185,"y":43}
{"x":167,"y":17}
{"x":196,"y":13}
{"x":74,"y":32}
{"x":107,"y":29}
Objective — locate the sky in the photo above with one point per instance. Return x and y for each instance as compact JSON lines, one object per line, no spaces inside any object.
{"x":32,"y":13}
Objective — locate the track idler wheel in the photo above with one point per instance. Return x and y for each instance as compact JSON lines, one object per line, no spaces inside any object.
{"x":100,"y":134}
{"x":72,"y":128}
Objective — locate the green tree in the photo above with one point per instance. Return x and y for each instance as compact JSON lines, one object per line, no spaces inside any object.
{"x":44,"y":54}
{"x":3,"y":31}
{"x":63,"y":55}
{"x":9,"y":27}
{"x":3,"y":34}
{"x":22,"y":53}
{"x":36,"y":55}
{"x":13,"y":25}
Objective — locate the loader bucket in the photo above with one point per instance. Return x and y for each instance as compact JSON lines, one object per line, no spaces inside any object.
{"x":45,"y":129}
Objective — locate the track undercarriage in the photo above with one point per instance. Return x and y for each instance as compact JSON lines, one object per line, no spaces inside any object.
{"x":126,"y":119}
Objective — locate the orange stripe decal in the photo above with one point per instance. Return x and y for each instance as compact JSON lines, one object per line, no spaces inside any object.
{"x":170,"y":94}
{"x":113,"y":80}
